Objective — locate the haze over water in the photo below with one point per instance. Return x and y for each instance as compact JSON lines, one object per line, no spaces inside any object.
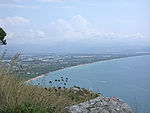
{"x":127,"y":78}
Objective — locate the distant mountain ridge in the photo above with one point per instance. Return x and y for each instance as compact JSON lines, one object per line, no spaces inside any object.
{"x":74,"y":48}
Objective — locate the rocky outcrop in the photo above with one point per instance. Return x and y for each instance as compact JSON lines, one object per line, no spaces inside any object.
{"x":100,"y":105}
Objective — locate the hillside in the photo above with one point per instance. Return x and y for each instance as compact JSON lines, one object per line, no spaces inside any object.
{"x":18,"y":97}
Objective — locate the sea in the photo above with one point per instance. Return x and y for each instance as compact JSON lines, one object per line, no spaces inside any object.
{"x":127,"y":78}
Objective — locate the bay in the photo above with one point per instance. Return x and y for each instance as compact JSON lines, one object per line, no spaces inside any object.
{"x":126,"y":78}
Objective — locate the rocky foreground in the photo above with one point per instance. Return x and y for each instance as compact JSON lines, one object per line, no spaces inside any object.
{"x":100,"y":105}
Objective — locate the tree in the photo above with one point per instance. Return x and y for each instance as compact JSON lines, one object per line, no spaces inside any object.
{"x":2,"y":36}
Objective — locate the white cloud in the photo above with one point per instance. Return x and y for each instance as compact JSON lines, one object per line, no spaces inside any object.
{"x":15,"y":27}
{"x":139,"y":35}
{"x":67,"y":7}
{"x":41,"y":33}
{"x":52,"y":1}
{"x":74,"y":29}
{"x":77,"y":28}
{"x":10,"y":34}
{"x":92,"y":4}
{"x":79,"y":23}
{"x":11,"y":5}
{"x":56,"y":1}
{"x":79,"y":19}
{"x":1,"y":22}
{"x":4,"y":5}
{"x":31,"y":36}
{"x":36,"y":34}
{"x":16,"y":20}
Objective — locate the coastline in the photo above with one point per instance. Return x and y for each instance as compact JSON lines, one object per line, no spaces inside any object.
{"x":35,"y":78}
{"x":40,"y":76}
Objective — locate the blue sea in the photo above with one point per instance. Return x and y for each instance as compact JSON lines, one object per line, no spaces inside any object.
{"x":127,"y":78}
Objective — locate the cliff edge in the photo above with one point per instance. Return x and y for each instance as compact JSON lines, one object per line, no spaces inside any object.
{"x":100,"y":105}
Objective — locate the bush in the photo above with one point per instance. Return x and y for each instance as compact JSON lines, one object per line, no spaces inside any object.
{"x":26,"y":108}
{"x":19,"y":97}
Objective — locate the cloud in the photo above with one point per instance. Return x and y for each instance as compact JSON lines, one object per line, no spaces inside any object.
{"x":31,"y":36}
{"x":15,"y":27}
{"x":75,"y":28}
{"x":1,"y":22}
{"x":57,"y":1}
{"x":79,"y":29}
{"x":16,"y":20}
{"x":138,"y":35}
{"x":10,"y":34}
{"x":79,"y":22}
{"x":11,"y":5}
{"x":19,"y":30}
{"x":41,"y":34}
{"x":52,"y":1}
{"x":67,"y":7}
{"x":36,"y":34}
{"x":4,"y":5}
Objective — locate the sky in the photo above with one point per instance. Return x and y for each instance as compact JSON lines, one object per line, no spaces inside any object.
{"x":75,"y":25}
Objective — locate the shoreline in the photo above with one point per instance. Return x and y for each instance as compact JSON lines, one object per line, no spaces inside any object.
{"x":34,"y":78}
{"x":40,"y":76}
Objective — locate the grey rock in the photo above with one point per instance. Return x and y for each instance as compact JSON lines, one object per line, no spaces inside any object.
{"x":75,"y":89}
{"x":100,"y":105}
{"x":105,"y":111}
{"x":113,"y":111}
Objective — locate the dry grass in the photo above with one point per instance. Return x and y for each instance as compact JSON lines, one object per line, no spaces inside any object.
{"x":14,"y":92}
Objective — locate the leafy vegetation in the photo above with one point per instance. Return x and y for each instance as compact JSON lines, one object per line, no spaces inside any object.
{"x":2,"y":36}
{"x":18,"y":97}
{"x":26,"y":108}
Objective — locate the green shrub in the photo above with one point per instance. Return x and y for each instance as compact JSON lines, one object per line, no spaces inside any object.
{"x":26,"y":108}
{"x":19,"y":97}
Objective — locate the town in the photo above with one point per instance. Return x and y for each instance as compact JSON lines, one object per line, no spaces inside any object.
{"x":30,"y":66}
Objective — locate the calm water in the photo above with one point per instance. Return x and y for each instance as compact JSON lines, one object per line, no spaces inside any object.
{"x":126,"y":78}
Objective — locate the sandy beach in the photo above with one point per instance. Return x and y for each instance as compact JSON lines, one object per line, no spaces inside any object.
{"x":35,"y":78}
{"x":40,"y":76}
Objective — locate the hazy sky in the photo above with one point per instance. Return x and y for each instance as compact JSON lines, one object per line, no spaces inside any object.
{"x":88,"y":23}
